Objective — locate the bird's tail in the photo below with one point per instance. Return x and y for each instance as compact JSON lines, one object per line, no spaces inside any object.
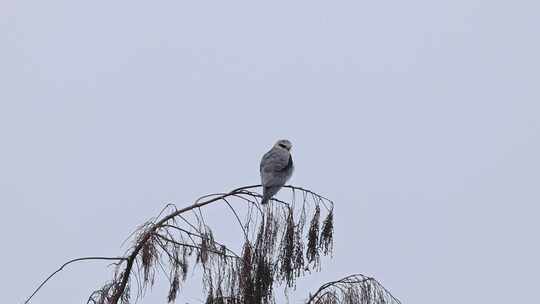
{"x":265,"y":198}
{"x":268,"y":192}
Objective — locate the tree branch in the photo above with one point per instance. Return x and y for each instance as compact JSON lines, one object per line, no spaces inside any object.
{"x":69,"y":262}
{"x":131,"y":258}
{"x":118,"y":290}
{"x":355,"y":279}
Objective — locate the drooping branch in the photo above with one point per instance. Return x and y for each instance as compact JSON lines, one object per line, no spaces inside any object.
{"x":279,"y":252}
{"x":120,"y":289}
{"x":276,"y":254}
{"x":70,"y":262}
{"x":356,"y":288}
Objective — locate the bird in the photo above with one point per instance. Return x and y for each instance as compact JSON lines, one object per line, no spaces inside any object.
{"x":276,"y":168}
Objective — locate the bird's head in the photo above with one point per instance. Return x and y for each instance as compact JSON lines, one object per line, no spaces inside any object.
{"x":283,"y":144}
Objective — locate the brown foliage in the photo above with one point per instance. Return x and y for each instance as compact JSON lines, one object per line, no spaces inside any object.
{"x":274,"y":255}
{"x":273,"y":251}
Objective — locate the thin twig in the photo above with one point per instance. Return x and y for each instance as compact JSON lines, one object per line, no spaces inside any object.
{"x":193,"y":246}
{"x":67,"y":263}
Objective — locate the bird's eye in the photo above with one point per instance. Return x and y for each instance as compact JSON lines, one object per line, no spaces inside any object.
{"x":283,"y":146}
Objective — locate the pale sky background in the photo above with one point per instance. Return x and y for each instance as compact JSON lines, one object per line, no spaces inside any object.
{"x":421,"y":119}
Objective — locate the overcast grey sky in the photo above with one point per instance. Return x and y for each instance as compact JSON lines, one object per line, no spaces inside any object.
{"x":419,"y":118}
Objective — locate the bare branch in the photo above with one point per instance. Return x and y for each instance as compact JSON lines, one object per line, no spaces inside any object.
{"x":69,"y":262}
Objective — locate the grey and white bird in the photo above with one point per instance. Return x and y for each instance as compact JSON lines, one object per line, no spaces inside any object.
{"x":276,"y":168}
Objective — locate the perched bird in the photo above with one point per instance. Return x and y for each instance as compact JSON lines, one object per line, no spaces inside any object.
{"x":276,"y":168}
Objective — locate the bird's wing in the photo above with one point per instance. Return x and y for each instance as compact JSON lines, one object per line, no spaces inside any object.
{"x":275,"y":167}
{"x":275,"y":161}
